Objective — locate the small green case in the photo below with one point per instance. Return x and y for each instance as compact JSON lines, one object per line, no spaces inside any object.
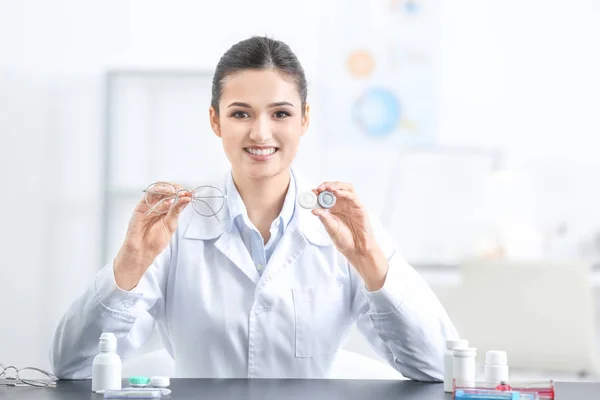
{"x":138,"y":381}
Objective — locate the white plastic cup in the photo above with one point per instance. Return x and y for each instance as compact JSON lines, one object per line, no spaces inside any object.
{"x":496,"y":367}
{"x":449,"y":361}
{"x":160,"y":381}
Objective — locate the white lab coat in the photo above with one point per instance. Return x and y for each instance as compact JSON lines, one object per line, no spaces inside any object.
{"x":218,"y":318}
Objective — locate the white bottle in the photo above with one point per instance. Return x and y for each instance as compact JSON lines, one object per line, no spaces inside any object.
{"x":449,"y":361}
{"x":496,"y":367}
{"x":106,"y":370}
{"x":464,"y":366}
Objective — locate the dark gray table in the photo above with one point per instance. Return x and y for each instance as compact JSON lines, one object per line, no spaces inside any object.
{"x":215,"y":389}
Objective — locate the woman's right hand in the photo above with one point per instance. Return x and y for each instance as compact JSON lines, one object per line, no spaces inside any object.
{"x":147,"y":236}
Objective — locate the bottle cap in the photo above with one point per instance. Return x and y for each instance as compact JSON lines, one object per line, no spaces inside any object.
{"x":307,"y":200}
{"x":457,"y":344}
{"x":468,"y":352}
{"x":495,"y":357}
{"x":160,"y":381}
{"x":139,"y":381}
{"x":108,"y":342}
{"x":326,"y":199}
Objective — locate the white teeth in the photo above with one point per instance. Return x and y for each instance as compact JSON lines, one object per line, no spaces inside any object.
{"x":261,"y":152}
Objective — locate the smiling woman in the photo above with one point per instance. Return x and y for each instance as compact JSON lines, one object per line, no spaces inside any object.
{"x":262,"y":114}
{"x":267,"y":288}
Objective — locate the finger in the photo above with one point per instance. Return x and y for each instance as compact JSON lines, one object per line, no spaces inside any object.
{"x":172,"y":216}
{"x":335,"y":186}
{"x":182,"y":191}
{"x":162,"y":188}
{"x":160,"y":207}
{"x":346,"y":195}
{"x":328,"y":220}
{"x":324,"y":186}
{"x":185,"y":193}
{"x":342,"y":186}
{"x":156,"y":196}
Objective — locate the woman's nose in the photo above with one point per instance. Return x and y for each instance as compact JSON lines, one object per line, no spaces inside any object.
{"x":261,"y":131}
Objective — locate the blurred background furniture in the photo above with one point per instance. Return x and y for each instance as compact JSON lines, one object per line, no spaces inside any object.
{"x":541,"y":313}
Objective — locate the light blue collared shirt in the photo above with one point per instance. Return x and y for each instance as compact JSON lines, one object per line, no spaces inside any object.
{"x":253,"y":240}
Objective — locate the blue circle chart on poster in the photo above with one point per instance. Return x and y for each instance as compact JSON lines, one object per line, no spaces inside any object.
{"x":411,"y":7}
{"x":406,"y":6}
{"x":377,"y":112}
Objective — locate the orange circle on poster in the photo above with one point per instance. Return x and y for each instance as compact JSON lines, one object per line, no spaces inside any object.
{"x":361,"y":63}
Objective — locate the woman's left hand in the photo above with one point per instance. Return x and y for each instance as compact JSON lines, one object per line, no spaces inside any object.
{"x":349,"y":227}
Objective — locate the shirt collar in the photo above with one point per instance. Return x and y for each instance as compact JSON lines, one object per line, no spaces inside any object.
{"x":234,"y":200}
{"x":195,"y":226}
{"x":237,"y":207}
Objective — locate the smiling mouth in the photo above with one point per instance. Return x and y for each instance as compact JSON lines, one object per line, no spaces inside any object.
{"x":261,"y":152}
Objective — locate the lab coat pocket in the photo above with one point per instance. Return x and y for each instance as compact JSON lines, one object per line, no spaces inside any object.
{"x":320,"y":315}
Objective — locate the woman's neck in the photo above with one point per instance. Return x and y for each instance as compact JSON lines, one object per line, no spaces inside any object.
{"x":263,"y":198}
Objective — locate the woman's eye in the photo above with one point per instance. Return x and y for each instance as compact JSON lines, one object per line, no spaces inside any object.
{"x":240,"y":114}
{"x":281,"y":114}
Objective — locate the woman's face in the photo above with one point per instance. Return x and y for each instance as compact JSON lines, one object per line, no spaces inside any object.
{"x":260,"y":122}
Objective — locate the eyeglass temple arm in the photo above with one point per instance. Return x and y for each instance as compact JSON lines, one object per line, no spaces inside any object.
{"x":214,"y":214}
{"x":159,"y":203}
{"x":42,"y":371}
{"x":200,"y":198}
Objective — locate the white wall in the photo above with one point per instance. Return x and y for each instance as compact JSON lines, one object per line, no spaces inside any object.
{"x":515,"y":74}
{"x":521,"y":75}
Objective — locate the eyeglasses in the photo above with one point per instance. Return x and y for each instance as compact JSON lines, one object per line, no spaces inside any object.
{"x":207,"y":200}
{"x":13,"y":376}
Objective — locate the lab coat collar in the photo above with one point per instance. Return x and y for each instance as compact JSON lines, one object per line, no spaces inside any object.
{"x":237,"y":208}
{"x":210,"y":228}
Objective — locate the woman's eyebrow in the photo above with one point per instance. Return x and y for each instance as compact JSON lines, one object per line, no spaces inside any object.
{"x":280,"y":103}
{"x":246,"y":105}
{"x":239,"y":104}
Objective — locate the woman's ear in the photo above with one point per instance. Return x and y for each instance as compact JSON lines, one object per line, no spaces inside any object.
{"x":306,"y":119}
{"x":214,"y":121}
